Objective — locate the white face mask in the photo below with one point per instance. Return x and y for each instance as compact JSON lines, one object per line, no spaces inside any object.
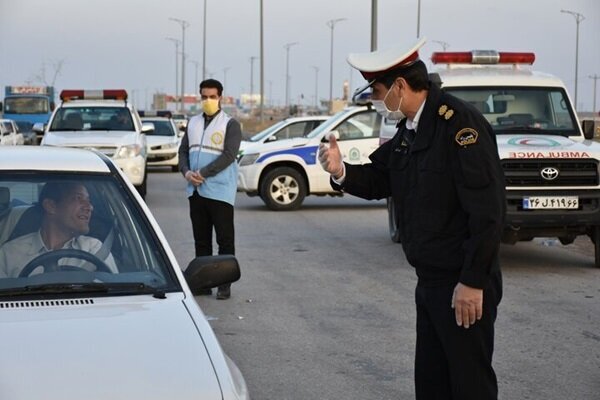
{"x":385,"y":112}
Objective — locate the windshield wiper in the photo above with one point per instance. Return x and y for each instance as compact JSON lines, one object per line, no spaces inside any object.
{"x":64,"y":288}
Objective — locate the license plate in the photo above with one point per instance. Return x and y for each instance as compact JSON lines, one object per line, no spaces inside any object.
{"x":550,"y":202}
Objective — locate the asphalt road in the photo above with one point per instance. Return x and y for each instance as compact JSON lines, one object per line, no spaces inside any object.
{"x":325,"y":306}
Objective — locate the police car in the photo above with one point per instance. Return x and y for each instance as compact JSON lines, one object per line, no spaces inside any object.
{"x":103,"y":120}
{"x":284,"y":172}
{"x":289,"y":128}
{"x":82,"y":330}
{"x":9,"y":133}
{"x":163,"y":142}
{"x":550,"y":164}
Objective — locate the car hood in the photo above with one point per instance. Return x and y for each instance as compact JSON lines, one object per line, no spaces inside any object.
{"x":89,"y":138}
{"x":545,"y":146}
{"x":140,"y":348}
{"x":277,"y":145}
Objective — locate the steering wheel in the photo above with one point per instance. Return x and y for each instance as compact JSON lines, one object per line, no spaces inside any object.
{"x":49,"y":261}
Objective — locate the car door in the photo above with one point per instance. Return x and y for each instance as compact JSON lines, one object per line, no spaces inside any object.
{"x":19,"y":138}
{"x":359,"y":136}
{"x":6,"y":138}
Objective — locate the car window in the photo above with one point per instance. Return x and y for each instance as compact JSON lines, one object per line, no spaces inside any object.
{"x":8,"y":128}
{"x":364,"y":125}
{"x":105,"y":222}
{"x":161,"y":127}
{"x":295,"y":130}
{"x":92,"y":119}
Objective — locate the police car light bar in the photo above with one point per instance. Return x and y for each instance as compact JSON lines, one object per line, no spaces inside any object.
{"x":482,"y":57}
{"x":111,"y":94}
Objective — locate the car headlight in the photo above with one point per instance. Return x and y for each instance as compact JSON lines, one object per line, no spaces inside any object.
{"x":129,"y":151}
{"x":249,"y":159}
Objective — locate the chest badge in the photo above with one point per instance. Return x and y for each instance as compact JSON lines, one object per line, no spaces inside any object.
{"x":442,"y":110}
{"x":216,"y":138}
{"x":466,"y":136}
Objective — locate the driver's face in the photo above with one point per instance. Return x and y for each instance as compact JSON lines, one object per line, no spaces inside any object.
{"x":75,"y":210}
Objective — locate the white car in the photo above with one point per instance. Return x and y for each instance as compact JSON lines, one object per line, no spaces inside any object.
{"x":73,"y":330}
{"x":105,"y":121}
{"x":9,"y":133}
{"x":284,"y":172}
{"x":289,"y":128}
{"x":163,"y":143}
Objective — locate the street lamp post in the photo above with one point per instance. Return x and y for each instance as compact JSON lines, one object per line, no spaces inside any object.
{"x":204,"y":45}
{"x":287,"y":71}
{"x":578,"y":18}
{"x":418,"y":18}
{"x":176,"y":41}
{"x":316,"y":86}
{"x":331,"y":24}
{"x":373,"y":25}
{"x":184,"y":24}
{"x":262,"y":65}
{"x":252,"y":80}
{"x":444,"y":45}
{"x":595,"y":77}
{"x":196,"y":65}
{"x":225,"y":76}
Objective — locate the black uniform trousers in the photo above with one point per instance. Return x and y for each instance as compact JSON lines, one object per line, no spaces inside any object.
{"x":207,"y":214}
{"x":454,"y":363}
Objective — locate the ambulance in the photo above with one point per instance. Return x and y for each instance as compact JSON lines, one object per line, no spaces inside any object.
{"x":551,"y":165}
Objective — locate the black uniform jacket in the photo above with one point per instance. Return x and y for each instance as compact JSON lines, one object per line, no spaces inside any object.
{"x":448,"y":189}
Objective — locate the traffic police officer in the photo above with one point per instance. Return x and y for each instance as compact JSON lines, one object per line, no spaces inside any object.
{"x":443,"y":172}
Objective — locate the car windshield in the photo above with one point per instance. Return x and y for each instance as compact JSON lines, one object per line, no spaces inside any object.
{"x":327,"y":124}
{"x":59,"y":231}
{"x":24,"y":126}
{"x":92,"y":119}
{"x":26,"y":105}
{"x":162,"y":127}
{"x":267,"y":132}
{"x":544,"y":111}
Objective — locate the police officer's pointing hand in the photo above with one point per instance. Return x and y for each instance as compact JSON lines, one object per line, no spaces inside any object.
{"x":330,"y":158}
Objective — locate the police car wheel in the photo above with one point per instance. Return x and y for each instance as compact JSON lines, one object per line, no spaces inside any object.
{"x":393,"y":221}
{"x":283,"y":189}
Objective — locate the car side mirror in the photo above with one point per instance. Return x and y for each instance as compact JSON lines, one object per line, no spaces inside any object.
{"x":182,"y":128}
{"x":147,"y":127}
{"x":38,"y":127}
{"x":211,"y":271}
{"x":327,"y":136}
{"x":588,"y":129}
{"x":271,"y":139}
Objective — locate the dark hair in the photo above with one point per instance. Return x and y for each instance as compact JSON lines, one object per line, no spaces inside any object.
{"x":415,"y":75}
{"x":57,"y":191}
{"x":212,"y":84}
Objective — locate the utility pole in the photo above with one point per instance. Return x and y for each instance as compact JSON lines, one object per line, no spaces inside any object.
{"x":196,"y":64}
{"x":204,"y":45}
{"x":578,"y":18}
{"x":225,"y":77}
{"x":262,"y":65}
{"x":287,"y":71}
{"x":176,"y":41}
{"x":316,"y":86}
{"x":331,"y":24}
{"x":418,"y":18}
{"x":373,"y":25}
{"x":595,"y":77}
{"x":252,"y":81}
{"x":184,"y":24}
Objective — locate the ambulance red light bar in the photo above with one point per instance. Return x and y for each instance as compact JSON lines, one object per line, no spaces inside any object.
{"x":482,"y":57}
{"x":111,"y":94}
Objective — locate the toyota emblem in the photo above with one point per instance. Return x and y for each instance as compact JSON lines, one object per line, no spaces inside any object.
{"x":549,"y":173}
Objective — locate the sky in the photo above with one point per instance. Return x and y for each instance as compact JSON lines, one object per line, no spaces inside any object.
{"x":122,"y":43}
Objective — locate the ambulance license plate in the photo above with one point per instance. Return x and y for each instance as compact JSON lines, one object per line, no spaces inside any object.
{"x":550,"y":202}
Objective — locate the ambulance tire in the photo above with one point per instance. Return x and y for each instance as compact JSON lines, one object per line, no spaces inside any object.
{"x":393,"y":221}
{"x":283,"y":189}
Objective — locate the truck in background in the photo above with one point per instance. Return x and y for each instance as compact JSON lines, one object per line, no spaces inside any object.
{"x":31,"y":104}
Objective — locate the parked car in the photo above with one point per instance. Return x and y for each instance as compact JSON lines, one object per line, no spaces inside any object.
{"x":9,"y":133}
{"x":289,"y":128}
{"x":284,"y":172}
{"x":102,"y":120}
{"x":26,"y":129}
{"x":163,"y":143}
{"x":86,"y":329}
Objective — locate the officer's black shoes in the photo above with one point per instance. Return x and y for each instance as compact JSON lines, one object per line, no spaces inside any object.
{"x":223,"y":293}
{"x":203,"y":292}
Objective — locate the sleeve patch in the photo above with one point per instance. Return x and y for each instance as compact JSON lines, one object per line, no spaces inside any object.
{"x":466,"y":136}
